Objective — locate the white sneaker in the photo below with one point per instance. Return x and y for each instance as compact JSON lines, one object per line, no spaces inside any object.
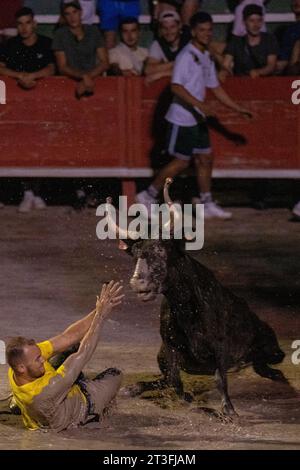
{"x":296,"y":209}
{"x":27,"y":202}
{"x":212,"y":210}
{"x":145,"y":198}
{"x":39,"y":203}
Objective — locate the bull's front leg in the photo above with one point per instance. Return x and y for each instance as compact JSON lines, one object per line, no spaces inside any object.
{"x":222,"y":385}
{"x":168,"y":361}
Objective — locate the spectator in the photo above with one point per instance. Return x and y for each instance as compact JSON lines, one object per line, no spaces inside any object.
{"x":254,"y":54}
{"x":163,"y":51}
{"x":128,"y":58}
{"x":88,"y":8}
{"x":112,"y":12}
{"x":291,"y":35}
{"x":28,"y":58}
{"x":79,"y":50}
{"x":188,"y":136}
{"x":239,"y":28}
{"x":186,"y":8}
{"x":7,"y":18}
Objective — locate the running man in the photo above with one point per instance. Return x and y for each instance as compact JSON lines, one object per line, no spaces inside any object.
{"x":188,"y":136}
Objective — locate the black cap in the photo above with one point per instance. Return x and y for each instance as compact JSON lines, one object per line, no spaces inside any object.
{"x":252,"y":9}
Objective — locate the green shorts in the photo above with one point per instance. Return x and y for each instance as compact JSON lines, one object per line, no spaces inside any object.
{"x":184,"y":142}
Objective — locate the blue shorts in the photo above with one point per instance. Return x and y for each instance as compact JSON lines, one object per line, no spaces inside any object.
{"x":112,"y":12}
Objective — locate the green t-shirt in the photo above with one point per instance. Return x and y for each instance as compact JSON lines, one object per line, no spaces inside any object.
{"x":81,"y":55}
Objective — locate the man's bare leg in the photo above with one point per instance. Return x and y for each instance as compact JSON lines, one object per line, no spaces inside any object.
{"x":148,"y":197}
{"x":174,"y":168}
{"x":204,"y":166}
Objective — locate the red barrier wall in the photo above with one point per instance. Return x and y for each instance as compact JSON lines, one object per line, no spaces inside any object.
{"x":273,"y":139}
{"x":49,"y":128}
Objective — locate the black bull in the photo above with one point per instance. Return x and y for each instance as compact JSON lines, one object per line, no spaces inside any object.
{"x":205,"y":328}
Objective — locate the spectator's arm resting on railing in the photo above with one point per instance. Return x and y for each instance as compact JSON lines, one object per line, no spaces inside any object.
{"x":154,"y":66}
{"x":269,"y":69}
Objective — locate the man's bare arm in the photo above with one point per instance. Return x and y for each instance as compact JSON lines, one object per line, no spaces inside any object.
{"x":103,"y":63}
{"x":225,"y":99}
{"x":110,"y":298}
{"x":43,"y":73}
{"x":269,"y":69}
{"x":154,"y":66}
{"x":64,"y":69}
{"x":188,"y":98}
{"x":73,"y":334}
{"x":5,"y":71}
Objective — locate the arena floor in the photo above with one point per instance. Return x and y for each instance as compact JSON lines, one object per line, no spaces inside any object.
{"x":52,"y":266}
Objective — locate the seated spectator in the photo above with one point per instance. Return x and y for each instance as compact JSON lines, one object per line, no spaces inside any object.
{"x":112,"y":12}
{"x":254,"y":54}
{"x":294,"y":63}
{"x":7,"y":18}
{"x":185,"y":8}
{"x":88,"y":8}
{"x":239,"y":28}
{"x":79,"y":50}
{"x":128,"y":58}
{"x":291,"y":35}
{"x":163,"y":51}
{"x":28,"y":56}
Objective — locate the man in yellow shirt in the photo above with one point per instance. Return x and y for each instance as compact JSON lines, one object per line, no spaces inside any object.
{"x":56,"y":399}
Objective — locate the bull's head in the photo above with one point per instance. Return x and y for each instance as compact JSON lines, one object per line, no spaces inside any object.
{"x":152,"y":256}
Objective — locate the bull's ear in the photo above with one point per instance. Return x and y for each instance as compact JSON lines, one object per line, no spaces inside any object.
{"x":126,"y":245}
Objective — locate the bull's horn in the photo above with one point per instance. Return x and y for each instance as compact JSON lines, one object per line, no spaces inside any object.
{"x":174,"y":214}
{"x":167,"y":198}
{"x":120,"y":232}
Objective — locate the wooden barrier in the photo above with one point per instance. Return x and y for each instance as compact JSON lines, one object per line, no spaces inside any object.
{"x":47,"y":132}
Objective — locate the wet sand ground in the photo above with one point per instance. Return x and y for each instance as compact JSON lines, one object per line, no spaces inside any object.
{"x":52,"y":266}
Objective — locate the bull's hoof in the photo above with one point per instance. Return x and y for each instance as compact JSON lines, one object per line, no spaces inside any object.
{"x":219,"y":415}
{"x":228,"y":410}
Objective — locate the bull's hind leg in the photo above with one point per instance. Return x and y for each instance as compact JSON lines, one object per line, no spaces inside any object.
{"x":265,"y":371}
{"x":222,"y":385}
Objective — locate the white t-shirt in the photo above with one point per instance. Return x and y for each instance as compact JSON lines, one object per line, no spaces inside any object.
{"x":195,"y":71}
{"x":88,"y":11}
{"x":238,"y":24}
{"x":128,"y":59}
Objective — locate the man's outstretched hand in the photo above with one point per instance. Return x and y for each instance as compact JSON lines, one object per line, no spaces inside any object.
{"x":109,"y":298}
